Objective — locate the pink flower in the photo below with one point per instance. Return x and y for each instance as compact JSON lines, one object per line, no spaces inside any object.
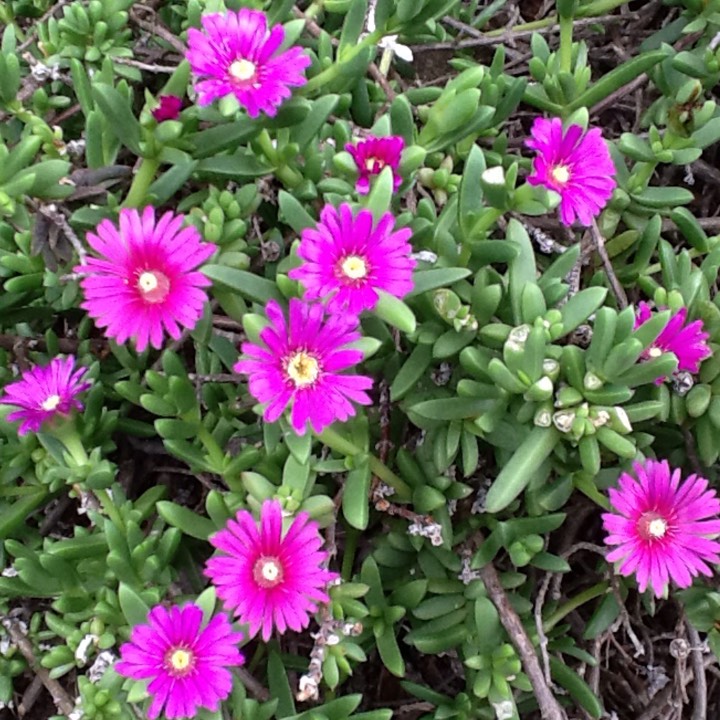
{"x":300,"y":363}
{"x":348,"y":259}
{"x":660,"y":528}
{"x":236,"y":54}
{"x":187,"y":666}
{"x":144,"y":283}
{"x":577,"y":166}
{"x":44,"y":393}
{"x":686,"y":342}
{"x":168,"y":109}
{"x":270,"y":581}
{"x":372,"y":155}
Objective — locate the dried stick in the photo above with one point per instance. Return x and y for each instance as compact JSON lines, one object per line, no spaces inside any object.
{"x":550,"y":708}
{"x":260,"y":692}
{"x":62,"y":700}
{"x":699,"y":679}
{"x":617,"y":288}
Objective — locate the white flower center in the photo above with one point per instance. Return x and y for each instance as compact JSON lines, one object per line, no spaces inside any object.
{"x":302,"y":368}
{"x":153,"y":285}
{"x":370,"y":164}
{"x":560,"y":174}
{"x":242,"y":69}
{"x":654,"y":352}
{"x":179,"y":661}
{"x":147,"y":282}
{"x":652,"y":526}
{"x":50,"y":403}
{"x":354,"y":267}
{"x":657,"y":528}
{"x":268,"y":572}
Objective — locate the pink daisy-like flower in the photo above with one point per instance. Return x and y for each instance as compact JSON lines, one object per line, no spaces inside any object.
{"x":660,"y":526}
{"x":168,"y":109}
{"x":187,"y":666}
{"x":576,"y":165}
{"x":348,"y":259}
{"x":374,"y":154}
{"x":44,"y":393}
{"x":300,"y":363}
{"x":237,"y":54}
{"x":143,"y":284}
{"x":687,"y":342}
{"x":268,"y":580}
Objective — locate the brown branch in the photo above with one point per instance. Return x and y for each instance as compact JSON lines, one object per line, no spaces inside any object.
{"x":155,"y":27}
{"x":62,"y":700}
{"x":260,"y":692}
{"x":699,"y":679}
{"x":65,"y":345}
{"x":617,"y":288}
{"x":550,"y":708}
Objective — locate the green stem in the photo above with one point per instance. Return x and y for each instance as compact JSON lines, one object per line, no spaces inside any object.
{"x":329,"y":74}
{"x":642,"y":172}
{"x":214,"y":451}
{"x":110,"y":509}
{"x":601,"y":7}
{"x":337,"y":442}
{"x":566,"y":38}
{"x":351,"y":542}
{"x":68,"y":436}
{"x":141,"y":182}
{"x":574,"y":603}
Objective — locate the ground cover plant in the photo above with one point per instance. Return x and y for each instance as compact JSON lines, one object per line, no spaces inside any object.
{"x":358,"y":359}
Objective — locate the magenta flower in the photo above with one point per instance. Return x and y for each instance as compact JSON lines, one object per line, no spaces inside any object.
{"x":577,"y":166}
{"x":349,"y":260}
{"x":44,"y":393}
{"x":144,"y":284}
{"x":168,"y":109}
{"x":236,"y":54}
{"x":660,"y":526}
{"x":687,"y":342}
{"x":300,"y":363}
{"x":374,"y":154}
{"x":270,"y":581}
{"x":187,"y":666}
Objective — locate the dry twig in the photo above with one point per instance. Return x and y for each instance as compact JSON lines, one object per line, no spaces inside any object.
{"x":550,"y":708}
{"x":62,"y":700}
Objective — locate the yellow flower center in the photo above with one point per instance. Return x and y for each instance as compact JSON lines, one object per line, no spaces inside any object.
{"x":50,"y":403}
{"x":302,"y":368}
{"x":180,"y":661}
{"x":154,"y":286}
{"x":371,"y":162}
{"x":354,"y":267}
{"x":560,"y":174}
{"x":268,"y":572}
{"x":242,"y":69}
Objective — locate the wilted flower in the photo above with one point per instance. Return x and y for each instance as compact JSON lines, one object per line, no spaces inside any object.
{"x":187,"y":666}
{"x":168,"y":109}
{"x":300,"y":363}
{"x":576,"y":165}
{"x":270,"y":581}
{"x":44,"y":393}
{"x":661,"y":528}
{"x":374,"y":154}
{"x":237,"y":54}
{"x":144,"y":283}
{"x":687,"y":342}
{"x":348,"y":260}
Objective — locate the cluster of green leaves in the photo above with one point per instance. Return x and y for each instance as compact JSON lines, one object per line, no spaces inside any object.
{"x":504,"y":389}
